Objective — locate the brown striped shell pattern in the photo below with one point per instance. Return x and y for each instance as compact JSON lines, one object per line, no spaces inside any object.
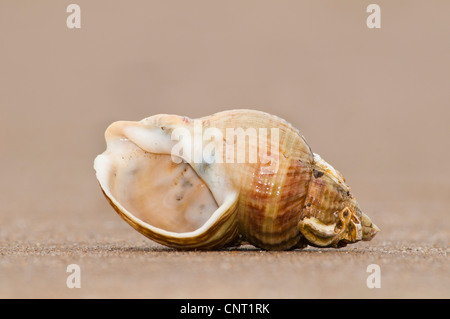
{"x":287,"y":198}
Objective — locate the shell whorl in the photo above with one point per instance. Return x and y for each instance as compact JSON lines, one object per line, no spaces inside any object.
{"x":270,"y":201}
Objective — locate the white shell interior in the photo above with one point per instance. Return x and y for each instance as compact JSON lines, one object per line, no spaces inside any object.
{"x":158,"y":191}
{"x":137,"y":173}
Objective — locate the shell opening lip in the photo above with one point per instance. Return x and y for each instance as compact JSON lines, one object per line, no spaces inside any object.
{"x":103,"y":168}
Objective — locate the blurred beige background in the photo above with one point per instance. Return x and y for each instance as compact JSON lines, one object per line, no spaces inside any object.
{"x":373,"y":102}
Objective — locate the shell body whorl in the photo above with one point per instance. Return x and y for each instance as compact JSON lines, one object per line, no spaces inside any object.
{"x":289,"y":197}
{"x":270,"y":200}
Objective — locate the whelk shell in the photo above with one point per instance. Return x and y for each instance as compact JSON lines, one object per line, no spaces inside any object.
{"x":210,"y":205}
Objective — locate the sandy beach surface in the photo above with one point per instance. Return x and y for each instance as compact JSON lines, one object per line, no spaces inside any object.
{"x":373,"y":103}
{"x":117,"y":262}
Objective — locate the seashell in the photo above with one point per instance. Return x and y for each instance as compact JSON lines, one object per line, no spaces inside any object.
{"x":287,"y":199}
